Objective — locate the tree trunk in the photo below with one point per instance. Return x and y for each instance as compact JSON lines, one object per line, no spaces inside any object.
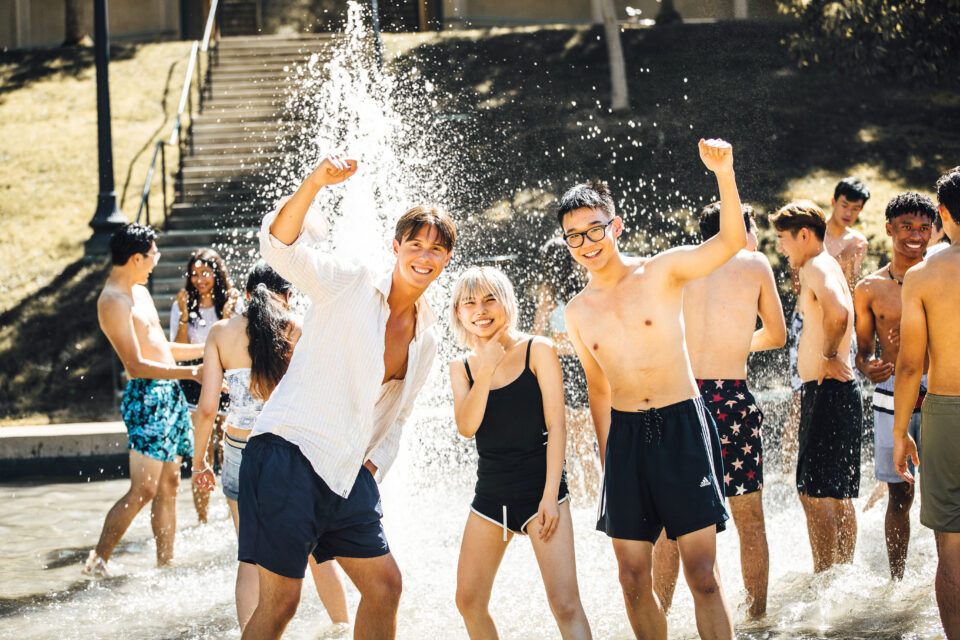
{"x":74,"y":35}
{"x":619,"y":97}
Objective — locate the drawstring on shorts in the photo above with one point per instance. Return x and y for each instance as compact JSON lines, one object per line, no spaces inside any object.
{"x":652,"y":424}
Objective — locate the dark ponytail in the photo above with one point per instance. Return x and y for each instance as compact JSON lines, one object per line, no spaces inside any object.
{"x":268,"y":329}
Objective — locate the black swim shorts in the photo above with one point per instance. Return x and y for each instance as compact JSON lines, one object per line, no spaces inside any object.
{"x":662,"y":470}
{"x":831,"y":428}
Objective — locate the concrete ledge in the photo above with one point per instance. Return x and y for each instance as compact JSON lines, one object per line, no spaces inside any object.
{"x":64,"y":451}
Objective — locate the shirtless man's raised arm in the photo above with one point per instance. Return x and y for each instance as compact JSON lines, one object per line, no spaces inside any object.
{"x":690,"y":263}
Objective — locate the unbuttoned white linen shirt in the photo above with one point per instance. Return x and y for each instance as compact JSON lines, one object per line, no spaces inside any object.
{"x":331,"y":402}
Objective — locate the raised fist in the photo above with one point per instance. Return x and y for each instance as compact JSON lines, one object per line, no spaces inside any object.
{"x":333,"y":170}
{"x":717,"y":154}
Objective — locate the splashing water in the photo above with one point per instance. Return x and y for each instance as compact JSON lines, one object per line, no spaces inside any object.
{"x":409,"y":154}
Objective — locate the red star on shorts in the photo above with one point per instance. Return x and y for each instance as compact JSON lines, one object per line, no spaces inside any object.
{"x":717,"y":397}
{"x":751,"y":474}
{"x":723,"y":452}
{"x":736,"y":383}
{"x":722,"y":417}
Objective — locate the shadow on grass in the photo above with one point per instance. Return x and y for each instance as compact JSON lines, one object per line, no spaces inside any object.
{"x":31,"y":65}
{"x":537,"y":101}
{"x":54,"y":359}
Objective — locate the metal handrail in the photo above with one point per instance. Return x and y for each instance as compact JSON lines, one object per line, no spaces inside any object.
{"x":186,"y":103}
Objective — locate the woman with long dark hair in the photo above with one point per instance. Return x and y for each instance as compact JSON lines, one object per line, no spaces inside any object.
{"x":251,"y":352}
{"x":207,"y":296}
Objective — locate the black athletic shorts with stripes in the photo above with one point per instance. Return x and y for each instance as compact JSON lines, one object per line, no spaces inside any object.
{"x":662,"y":470}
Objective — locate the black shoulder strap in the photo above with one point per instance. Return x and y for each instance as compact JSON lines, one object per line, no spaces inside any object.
{"x":529,"y":343}
{"x":467,"y":366}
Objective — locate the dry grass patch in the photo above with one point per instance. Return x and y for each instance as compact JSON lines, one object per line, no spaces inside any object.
{"x":48,"y":150}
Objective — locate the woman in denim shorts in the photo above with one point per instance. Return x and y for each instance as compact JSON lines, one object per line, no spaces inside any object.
{"x":251,"y":353}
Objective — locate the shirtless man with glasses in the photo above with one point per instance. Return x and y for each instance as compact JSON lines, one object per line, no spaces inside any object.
{"x":154,"y":410}
{"x":659,"y":445}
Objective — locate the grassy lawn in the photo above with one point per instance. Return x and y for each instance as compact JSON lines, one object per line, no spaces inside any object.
{"x":52,"y":366}
{"x":537,"y":123}
{"x":48,"y":149}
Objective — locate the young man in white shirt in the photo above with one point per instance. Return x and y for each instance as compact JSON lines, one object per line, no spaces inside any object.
{"x":307,"y":479}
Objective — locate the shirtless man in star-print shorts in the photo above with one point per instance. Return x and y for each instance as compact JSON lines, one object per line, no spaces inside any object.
{"x":720,"y":312}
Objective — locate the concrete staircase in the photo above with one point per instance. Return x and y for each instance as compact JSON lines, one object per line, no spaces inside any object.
{"x":229,"y":150}
{"x":240,"y":17}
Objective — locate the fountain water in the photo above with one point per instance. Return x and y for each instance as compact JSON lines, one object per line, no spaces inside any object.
{"x":408,"y":155}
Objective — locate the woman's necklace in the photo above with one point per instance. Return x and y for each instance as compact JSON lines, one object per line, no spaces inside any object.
{"x":890,"y":273}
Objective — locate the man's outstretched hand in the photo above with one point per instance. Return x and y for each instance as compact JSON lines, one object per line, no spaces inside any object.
{"x":717,"y":155}
{"x":333,"y":170}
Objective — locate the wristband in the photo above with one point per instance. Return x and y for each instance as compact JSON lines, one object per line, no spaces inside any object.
{"x":199,"y":471}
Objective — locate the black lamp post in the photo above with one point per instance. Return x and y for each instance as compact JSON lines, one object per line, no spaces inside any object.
{"x":108,"y":215}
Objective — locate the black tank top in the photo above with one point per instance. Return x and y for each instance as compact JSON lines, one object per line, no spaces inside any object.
{"x":512,"y":441}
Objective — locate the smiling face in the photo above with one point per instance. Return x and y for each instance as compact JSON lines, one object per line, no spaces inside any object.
{"x":792,"y":246}
{"x":421,"y":257}
{"x":202,"y":277}
{"x":846,"y":211}
{"x":481,"y":313}
{"x":910,"y":234}
{"x":593,"y":254}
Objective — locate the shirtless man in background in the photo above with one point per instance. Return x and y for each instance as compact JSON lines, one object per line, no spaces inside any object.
{"x":720,"y":315}
{"x":849,"y":247}
{"x":153,"y":407}
{"x":831,"y":413}
{"x":658,"y":443}
{"x":876,"y":299}
{"x":931,"y":307}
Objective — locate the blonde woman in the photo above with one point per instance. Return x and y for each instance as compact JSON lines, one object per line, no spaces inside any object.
{"x":508,"y":396}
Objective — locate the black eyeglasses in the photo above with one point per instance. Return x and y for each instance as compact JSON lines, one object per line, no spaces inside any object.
{"x":596,"y":234}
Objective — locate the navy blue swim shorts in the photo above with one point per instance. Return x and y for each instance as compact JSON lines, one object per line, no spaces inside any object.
{"x":287,"y":512}
{"x":663,"y":469}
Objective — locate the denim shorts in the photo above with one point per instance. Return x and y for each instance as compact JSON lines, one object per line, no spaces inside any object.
{"x":230,"y":472}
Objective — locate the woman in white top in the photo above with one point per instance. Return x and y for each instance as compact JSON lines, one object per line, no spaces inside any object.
{"x":207,"y":296}
{"x":251,"y":352}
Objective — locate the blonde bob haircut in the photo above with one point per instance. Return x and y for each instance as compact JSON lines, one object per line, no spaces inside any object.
{"x":477,"y":283}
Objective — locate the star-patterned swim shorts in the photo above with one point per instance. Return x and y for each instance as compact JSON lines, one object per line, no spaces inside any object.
{"x":740,"y":424}
{"x":156,"y":417}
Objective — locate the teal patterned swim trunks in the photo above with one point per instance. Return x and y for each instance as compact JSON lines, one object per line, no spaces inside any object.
{"x":158,"y":423}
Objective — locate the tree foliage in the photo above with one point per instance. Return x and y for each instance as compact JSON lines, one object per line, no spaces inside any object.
{"x":913,"y":40}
